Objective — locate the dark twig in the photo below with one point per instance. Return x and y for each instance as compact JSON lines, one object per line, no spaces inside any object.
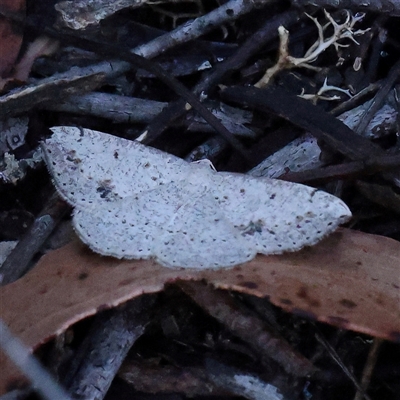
{"x":358,"y":98}
{"x":303,"y":114}
{"x":18,"y":262}
{"x":379,"y":98}
{"x":48,"y":89}
{"x":346,"y":170}
{"x":220,"y":305}
{"x":189,"y":381}
{"x":369,"y":366}
{"x":385,"y":196}
{"x":106,"y":346}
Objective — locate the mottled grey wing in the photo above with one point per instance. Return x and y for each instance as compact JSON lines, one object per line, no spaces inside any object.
{"x":179,"y":226}
{"x":93,"y":167}
{"x":128,"y":227}
{"x":277,"y":216}
{"x":200,"y":236}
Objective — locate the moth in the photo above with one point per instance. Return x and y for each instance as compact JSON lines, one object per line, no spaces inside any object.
{"x":136,"y":202}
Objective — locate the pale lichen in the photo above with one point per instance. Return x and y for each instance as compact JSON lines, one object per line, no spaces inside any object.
{"x":344,"y":30}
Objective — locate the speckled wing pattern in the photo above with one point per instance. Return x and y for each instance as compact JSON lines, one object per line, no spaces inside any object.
{"x":133,"y":201}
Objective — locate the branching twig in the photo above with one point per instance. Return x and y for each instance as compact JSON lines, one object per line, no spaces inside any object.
{"x":228,"y":12}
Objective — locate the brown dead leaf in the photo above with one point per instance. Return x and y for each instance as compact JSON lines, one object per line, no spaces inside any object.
{"x":41,"y":46}
{"x":10,"y":37}
{"x":350,"y":280}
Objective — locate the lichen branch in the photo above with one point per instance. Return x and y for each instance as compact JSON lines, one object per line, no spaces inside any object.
{"x":344,"y":30}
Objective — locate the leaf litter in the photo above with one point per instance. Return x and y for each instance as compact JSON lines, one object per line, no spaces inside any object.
{"x":349,"y":280}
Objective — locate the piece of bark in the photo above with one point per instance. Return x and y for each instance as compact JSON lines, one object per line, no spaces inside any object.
{"x":301,"y":154}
